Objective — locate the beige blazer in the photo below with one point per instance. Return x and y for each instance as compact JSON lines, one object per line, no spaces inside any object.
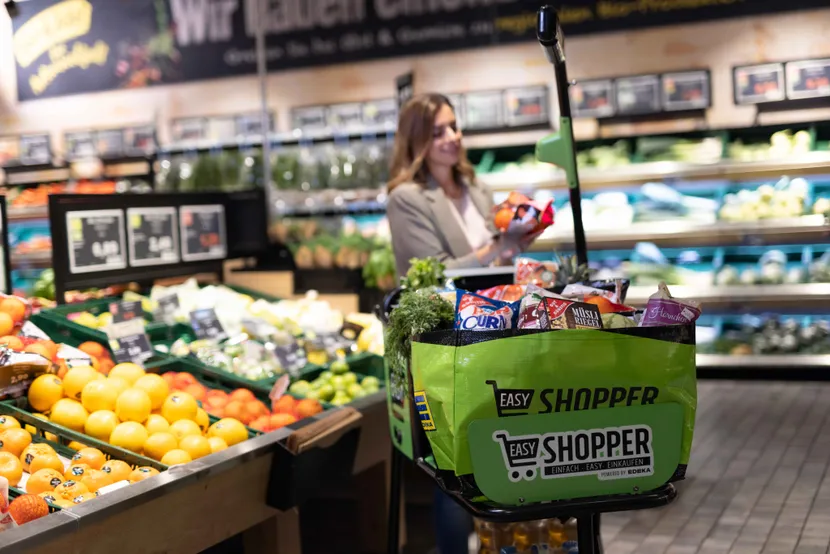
{"x":423,"y":225}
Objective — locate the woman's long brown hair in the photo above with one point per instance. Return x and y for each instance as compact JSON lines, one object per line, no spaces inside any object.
{"x":414,"y":139}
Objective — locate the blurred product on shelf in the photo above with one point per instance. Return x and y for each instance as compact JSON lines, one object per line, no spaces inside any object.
{"x":764,"y":335}
{"x":786,"y":198}
{"x":780,"y":145}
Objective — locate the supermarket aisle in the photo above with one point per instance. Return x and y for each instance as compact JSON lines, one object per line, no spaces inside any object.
{"x":757,"y":482}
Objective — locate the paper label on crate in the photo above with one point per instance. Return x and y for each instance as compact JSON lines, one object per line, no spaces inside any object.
{"x":113,"y":487}
{"x":278,"y":390}
{"x":73,"y":357}
{"x":206,"y":325}
{"x":126,"y":310}
{"x":129,"y":341}
{"x":168,"y":306}
{"x":32,"y":331}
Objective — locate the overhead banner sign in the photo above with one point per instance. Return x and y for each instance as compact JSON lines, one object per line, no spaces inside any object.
{"x":77,"y":46}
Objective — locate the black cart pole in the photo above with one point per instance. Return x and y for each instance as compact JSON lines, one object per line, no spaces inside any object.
{"x":393,"y":526}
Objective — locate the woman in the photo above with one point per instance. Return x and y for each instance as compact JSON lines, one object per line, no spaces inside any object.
{"x":435,"y":208}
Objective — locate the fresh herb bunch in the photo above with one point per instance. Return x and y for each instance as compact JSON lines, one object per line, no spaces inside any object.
{"x":417,"y":312}
{"x":428,"y":272}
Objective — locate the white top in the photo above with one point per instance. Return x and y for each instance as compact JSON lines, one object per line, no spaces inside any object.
{"x":470,"y":220}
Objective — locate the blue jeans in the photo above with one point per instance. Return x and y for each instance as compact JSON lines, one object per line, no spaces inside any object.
{"x":453,"y":525}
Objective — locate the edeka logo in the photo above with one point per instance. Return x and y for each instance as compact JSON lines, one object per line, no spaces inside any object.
{"x":424,"y":413}
{"x":55,"y":25}
{"x":609,"y":453}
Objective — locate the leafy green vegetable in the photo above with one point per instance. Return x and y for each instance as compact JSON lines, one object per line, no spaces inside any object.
{"x":379,"y":271}
{"x":428,"y":272}
{"x":418,"y":312}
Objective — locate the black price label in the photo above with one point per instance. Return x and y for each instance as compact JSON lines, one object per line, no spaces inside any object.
{"x":206,"y":325}
{"x":808,"y":79}
{"x":168,"y":305}
{"x":292,"y":356}
{"x":309,"y":119}
{"x":140,"y":140}
{"x":527,"y":106}
{"x":592,"y":98}
{"x":96,"y":240}
{"x":687,"y":90}
{"x":110,"y":142}
{"x":129,"y":342}
{"x":35,"y":149}
{"x":484,"y":110}
{"x":203,"y":232}
{"x":756,"y":84}
{"x":79,"y":145}
{"x":126,"y":310}
{"x":345,"y":118}
{"x":638,"y":95}
{"x":152,"y":235}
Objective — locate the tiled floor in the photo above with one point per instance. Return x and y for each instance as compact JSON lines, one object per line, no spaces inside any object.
{"x":757,"y":481}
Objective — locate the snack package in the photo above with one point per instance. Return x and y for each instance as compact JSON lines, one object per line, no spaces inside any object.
{"x":662,"y":309}
{"x":521,"y":214}
{"x":18,"y":370}
{"x":544,"y":310}
{"x":477,"y":313}
{"x":533,"y":272}
{"x":505,"y":293}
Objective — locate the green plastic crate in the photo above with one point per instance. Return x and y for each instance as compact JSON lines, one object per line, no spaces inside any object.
{"x":95,"y":307}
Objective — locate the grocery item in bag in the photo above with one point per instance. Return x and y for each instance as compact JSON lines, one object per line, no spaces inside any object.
{"x":477,"y":313}
{"x":505,"y":293}
{"x":663,"y":309}
{"x":521,"y":214}
{"x":534,"y":272}
{"x":543,"y":310}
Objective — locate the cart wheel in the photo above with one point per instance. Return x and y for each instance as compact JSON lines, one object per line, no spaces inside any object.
{"x":530,"y":474}
{"x":515,"y":476}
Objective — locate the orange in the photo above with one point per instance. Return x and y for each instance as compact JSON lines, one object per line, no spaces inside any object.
{"x":15,"y":307}
{"x":197,"y":391}
{"x":44,"y":480}
{"x":308,"y":407}
{"x":156,"y":424}
{"x":155,"y":387}
{"x":33,"y":431}
{"x":183,"y":428}
{"x":159,"y":444}
{"x":6,"y":324}
{"x":243,"y":395}
{"x":50,"y":346}
{"x":179,"y":405}
{"x":93,"y":457}
{"x":230,"y":430}
{"x":75,"y":445}
{"x":44,"y":391}
{"x":36,"y":448}
{"x":117,"y":470}
{"x":119,"y":382}
{"x":235,"y":409}
{"x":503,"y":218}
{"x":128,"y":371}
{"x":100,"y":424}
{"x":75,"y":472}
{"x":133,"y":405}
{"x":175,"y":457}
{"x":36,"y":347}
{"x":217,"y":444}
{"x":10,"y":468}
{"x":281,"y":420}
{"x":63,"y":503}
{"x":94,"y":479}
{"x":262,"y":423}
{"x":104,"y":365}
{"x":12,"y":342}
{"x":45,"y":461}
{"x":48,"y":496}
{"x":255,"y":409}
{"x":28,"y":507}
{"x":142,"y":473}
{"x":202,"y":420}
{"x":195,"y":445}
{"x":70,"y":489}
{"x":285,"y":405}
{"x":83,"y":497}
{"x":169,"y":378}
{"x":76,"y":379}
{"x":69,"y":413}
{"x":129,"y":435}
{"x":182,"y":380}
{"x":100,"y":394}
{"x":14,"y":441}
{"x":93,"y":349}
{"x":8,"y":422}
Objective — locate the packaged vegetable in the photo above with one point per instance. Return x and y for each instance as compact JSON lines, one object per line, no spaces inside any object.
{"x":520,"y":214}
{"x":477,"y":313}
{"x":18,"y":370}
{"x":663,"y":309}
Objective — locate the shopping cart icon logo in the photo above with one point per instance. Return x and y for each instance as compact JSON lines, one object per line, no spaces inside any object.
{"x":511,"y":402}
{"x":424,"y":413}
{"x":609,"y":453}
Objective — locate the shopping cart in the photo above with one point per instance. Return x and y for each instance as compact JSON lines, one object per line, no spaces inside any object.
{"x":521,"y":455}
{"x":508,"y":400}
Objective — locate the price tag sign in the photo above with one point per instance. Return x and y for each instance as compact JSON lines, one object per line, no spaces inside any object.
{"x":380,"y":114}
{"x":756,"y":84}
{"x":203,"y":232}
{"x":808,"y":79}
{"x":638,"y":95}
{"x":80,"y":145}
{"x":140,"y":140}
{"x":73,"y":357}
{"x":9,"y":150}
{"x":484,"y":110}
{"x":292,"y":357}
{"x":687,"y":90}
{"x":592,"y":98}
{"x":405,"y":86}
{"x":345,"y":118}
{"x":152,"y":236}
{"x":527,"y":106}
{"x":129,"y":342}
{"x":110,"y":142}
{"x":312,"y":118}
{"x":194,"y":128}
{"x":168,"y":306}
{"x":35,"y":149}
{"x":96,"y":240}
{"x":206,"y":325}
{"x":127,"y":310}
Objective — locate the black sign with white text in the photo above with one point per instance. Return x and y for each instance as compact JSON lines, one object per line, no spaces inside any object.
{"x":638,"y":95}
{"x":152,"y":236}
{"x":686,"y":90}
{"x":808,"y":79}
{"x":203,"y":232}
{"x":758,"y":84}
{"x":206,"y":325}
{"x":126,"y":310}
{"x":592,"y":98}
{"x":96,"y":240}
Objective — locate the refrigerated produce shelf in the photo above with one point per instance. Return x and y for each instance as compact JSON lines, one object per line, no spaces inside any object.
{"x":809,"y":228}
{"x":775,"y":361}
{"x":742,"y":296}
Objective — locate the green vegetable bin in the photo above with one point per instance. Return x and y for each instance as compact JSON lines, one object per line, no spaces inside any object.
{"x":95,"y":307}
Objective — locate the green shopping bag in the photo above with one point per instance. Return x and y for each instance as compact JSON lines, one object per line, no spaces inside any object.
{"x":538,"y":416}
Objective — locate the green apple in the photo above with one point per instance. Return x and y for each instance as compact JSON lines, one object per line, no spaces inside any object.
{"x":300,"y":388}
{"x":370,"y":383}
{"x":340,"y":399}
{"x":317,"y":383}
{"x":350,"y":378}
{"x":339,"y":367}
{"x":355,"y":391}
{"x":338,"y":382}
{"x":326,"y":392}
{"x":312,"y":394}
{"x":326,"y":375}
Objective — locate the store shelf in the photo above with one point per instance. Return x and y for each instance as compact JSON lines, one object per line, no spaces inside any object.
{"x":811,"y":228}
{"x":810,"y":163}
{"x":780,"y":361}
{"x":741,"y":296}
{"x":35,"y":259}
{"x":24,"y":214}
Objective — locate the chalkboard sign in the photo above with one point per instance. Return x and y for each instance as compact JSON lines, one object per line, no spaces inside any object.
{"x":152,"y":236}
{"x":808,"y":79}
{"x":526,"y":106}
{"x":686,"y":90}
{"x":80,"y":144}
{"x":96,"y":240}
{"x":757,"y":84}
{"x":638,"y":95}
{"x":126,"y":310}
{"x":203,"y":232}
{"x":592,"y":98}
{"x":206,"y":325}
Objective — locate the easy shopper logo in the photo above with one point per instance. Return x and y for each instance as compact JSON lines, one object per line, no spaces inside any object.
{"x":609,"y":453}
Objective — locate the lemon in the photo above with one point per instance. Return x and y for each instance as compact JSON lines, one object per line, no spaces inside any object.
{"x":100,"y":424}
{"x":129,"y":435}
{"x":119,"y":383}
{"x":99,"y":395}
{"x":87,"y":320}
{"x":133,"y":405}
{"x":217,"y":444}
{"x":179,"y":405}
{"x":184,"y":428}
{"x":128,"y":371}
{"x":45,"y":391}
{"x":104,"y":320}
{"x":195,"y":445}
{"x":202,"y":420}
{"x":230,"y":430}
{"x":176,"y":456}
{"x":156,"y":424}
{"x":69,"y":413}
{"x":76,"y":379}
{"x":155,"y":387}
{"x":159,"y":444}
